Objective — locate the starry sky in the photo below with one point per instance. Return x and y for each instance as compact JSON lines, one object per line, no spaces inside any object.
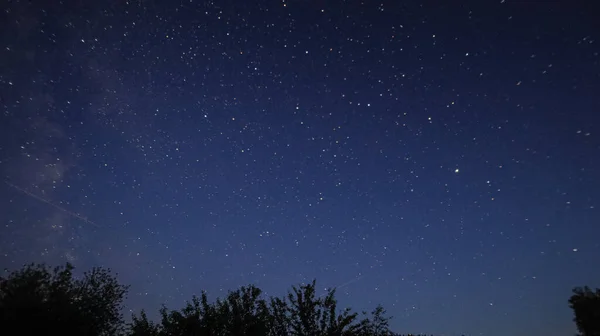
{"x":439,"y":158}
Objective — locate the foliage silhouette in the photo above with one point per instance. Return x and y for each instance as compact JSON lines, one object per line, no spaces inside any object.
{"x":378,"y":325}
{"x":37,"y":300}
{"x":244,"y":312}
{"x":586,"y":308}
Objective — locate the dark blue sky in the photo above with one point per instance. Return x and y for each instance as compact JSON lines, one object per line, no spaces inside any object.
{"x":439,"y":158}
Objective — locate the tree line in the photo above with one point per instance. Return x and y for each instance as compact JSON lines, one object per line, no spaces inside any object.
{"x":39,"y":300}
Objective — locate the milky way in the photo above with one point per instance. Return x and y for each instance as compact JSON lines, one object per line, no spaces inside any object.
{"x":440,"y":159}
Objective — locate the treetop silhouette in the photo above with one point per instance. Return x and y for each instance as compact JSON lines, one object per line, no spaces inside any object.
{"x":38,"y":300}
{"x":586,"y":308}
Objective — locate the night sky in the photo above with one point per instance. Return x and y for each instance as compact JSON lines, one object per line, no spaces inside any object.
{"x":439,"y":158}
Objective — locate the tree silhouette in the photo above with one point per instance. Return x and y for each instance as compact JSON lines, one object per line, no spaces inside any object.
{"x":586,"y":308}
{"x":378,"y":324}
{"x":315,"y":316}
{"x":242,"y":312}
{"x":140,"y":325}
{"x":245,"y":313}
{"x":37,"y":300}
